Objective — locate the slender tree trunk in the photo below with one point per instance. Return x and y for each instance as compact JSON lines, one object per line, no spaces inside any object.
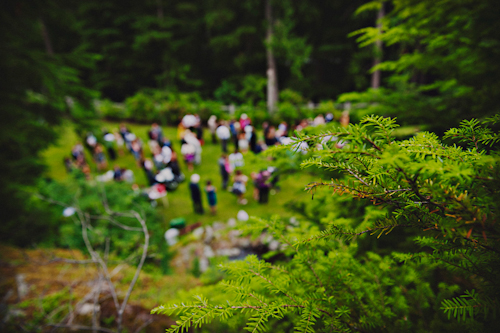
{"x":46,"y":38}
{"x":376,"y":75}
{"x":159,"y":9}
{"x":272,"y":76}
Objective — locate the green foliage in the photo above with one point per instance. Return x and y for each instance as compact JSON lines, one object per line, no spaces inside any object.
{"x":164,"y":107}
{"x":306,"y":291}
{"x":295,"y":50}
{"x":291,"y":96}
{"x":435,"y":73}
{"x":227,"y":92}
{"x":444,"y":195}
{"x":33,"y":101}
{"x":91,"y":199}
{"x":288,"y":112}
{"x":200,"y":46}
{"x":168,"y":108}
{"x":51,"y":308}
{"x":141,"y":107}
{"x":113,"y":111}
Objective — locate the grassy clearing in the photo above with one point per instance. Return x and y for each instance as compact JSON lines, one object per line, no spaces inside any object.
{"x":179,"y":201}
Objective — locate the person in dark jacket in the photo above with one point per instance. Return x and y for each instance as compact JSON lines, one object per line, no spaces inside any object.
{"x":225,"y":170}
{"x":211,"y":197}
{"x":194,"y":188}
{"x":264,"y":186}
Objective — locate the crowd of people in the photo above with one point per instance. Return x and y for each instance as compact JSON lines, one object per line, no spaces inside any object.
{"x":162,"y":168}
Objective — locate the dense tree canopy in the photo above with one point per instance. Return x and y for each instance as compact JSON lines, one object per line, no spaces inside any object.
{"x":193,"y":45}
{"x":37,"y":77}
{"x":442,"y":61}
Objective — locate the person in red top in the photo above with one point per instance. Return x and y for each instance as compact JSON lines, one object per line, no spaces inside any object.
{"x":244,"y":121}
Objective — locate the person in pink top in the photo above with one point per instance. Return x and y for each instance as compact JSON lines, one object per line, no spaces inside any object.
{"x":244,"y":121}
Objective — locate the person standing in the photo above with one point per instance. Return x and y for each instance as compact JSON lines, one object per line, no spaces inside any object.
{"x":109,"y":142}
{"x":211,"y":197}
{"x":147,"y":166}
{"x":225,"y":170}
{"x":155,"y":133}
{"x":212,"y":125}
{"x":244,"y":121}
{"x":188,"y":151}
{"x":194,"y":188}
{"x":253,"y":140}
{"x":234,"y":128}
{"x":236,"y":160}
{"x":223,"y":134}
{"x":263,"y":185}
{"x":100,"y":158}
{"x":239,"y":187}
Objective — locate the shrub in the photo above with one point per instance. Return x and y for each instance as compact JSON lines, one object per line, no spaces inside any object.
{"x":112,"y":111}
{"x":443,"y":198}
{"x":141,"y":108}
{"x":292,"y":97}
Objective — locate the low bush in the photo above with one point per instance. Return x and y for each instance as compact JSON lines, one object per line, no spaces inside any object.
{"x":168,"y":108}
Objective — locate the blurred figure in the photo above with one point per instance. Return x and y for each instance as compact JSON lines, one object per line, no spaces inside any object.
{"x":236,"y":160}
{"x":223,"y":134}
{"x":147,"y":166}
{"x":77,"y":151}
{"x":91,"y":141}
{"x":244,"y":121}
{"x":283,"y":128}
{"x":100,"y":158}
{"x":191,"y":139}
{"x":155,"y":133}
{"x":234,"y":128}
{"x":212,"y":126}
{"x":344,"y":119}
{"x":118,"y":174}
{"x":243,"y":142}
{"x":253,"y":140}
{"x":188,"y":151}
{"x":174,"y":165}
{"x":211,"y":197}
{"x":194,"y":188}
{"x":119,"y":142}
{"x":68,"y":164}
{"x":271,"y":137}
{"x":180,"y":132}
{"x":263,"y":185}
{"x":109,"y":143}
{"x":225,"y":170}
{"x":329,"y":117}
{"x":136,"y":150}
{"x":319,"y":120}
{"x":239,"y":187}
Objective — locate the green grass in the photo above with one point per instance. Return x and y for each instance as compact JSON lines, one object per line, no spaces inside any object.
{"x":180,"y":204}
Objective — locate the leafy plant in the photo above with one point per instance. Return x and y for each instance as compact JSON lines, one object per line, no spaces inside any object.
{"x":443,"y":196}
{"x":434,"y":74}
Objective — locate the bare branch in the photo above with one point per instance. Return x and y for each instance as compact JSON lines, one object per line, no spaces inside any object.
{"x":137,"y":271}
{"x":149,"y":321}
{"x":115,"y":222}
{"x":96,"y":256}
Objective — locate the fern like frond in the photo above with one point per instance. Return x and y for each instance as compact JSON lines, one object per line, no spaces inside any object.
{"x":307,"y":321}
{"x":462,"y":307}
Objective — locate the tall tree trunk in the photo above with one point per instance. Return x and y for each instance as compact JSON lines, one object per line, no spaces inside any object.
{"x":159,"y":9}
{"x":378,"y":49}
{"x":46,"y":38}
{"x":272,"y":76}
